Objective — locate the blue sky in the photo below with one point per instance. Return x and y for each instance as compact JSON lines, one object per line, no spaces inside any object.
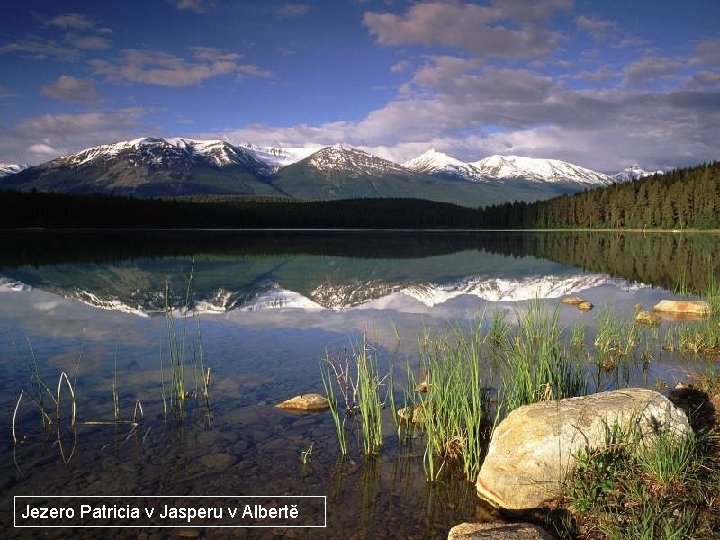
{"x":602,"y":84}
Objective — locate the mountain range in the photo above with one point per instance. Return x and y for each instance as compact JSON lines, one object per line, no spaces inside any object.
{"x":148,"y":167}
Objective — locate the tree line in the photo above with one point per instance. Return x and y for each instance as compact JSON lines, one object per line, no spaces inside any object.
{"x":683,"y":198}
{"x":679,"y":199}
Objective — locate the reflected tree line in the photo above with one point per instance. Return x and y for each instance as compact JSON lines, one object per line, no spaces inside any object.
{"x":662,"y":259}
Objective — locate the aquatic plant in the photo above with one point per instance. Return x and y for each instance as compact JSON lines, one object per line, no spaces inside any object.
{"x":536,"y":366}
{"x":359,"y":383}
{"x":453,"y":412}
{"x":371,"y":406}
{"x":326,"y":374}
{"x":184,"y":350}
{"x":616,"y":338}
{"x":306,"y":454}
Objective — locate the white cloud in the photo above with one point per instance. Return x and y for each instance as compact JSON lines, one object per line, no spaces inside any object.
{"x":89,"y":43}
{"x":72,"y":21}
{"x":49,"y":136}
{"x":160,"y":68}
{"x":484,"y":31}
{"x":43,"y":150}
{"x":40,"y":49}
{"x":599,"y":29}
{"x":69,"y":88}
{"x":649,"y":70}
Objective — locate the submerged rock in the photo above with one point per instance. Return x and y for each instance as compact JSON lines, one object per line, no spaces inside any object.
{"x":648,"y":318}
{"x":305,"y":402}
{"x":498,"y":531}
{"x":534,"y":447}
{"x":695,"y":307}
{"x":218,"y":461}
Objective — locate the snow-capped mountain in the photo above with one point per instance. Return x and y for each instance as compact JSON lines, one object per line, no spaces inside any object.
{"x":169,"y":152}
{"x":152,"y":167}
{"x":148,"y":167}
{"x":632,"y":173}
{"x":352,"y":161}
{"x":507,"y":168}
{"x":276,"y":157}
{"x":539,"y":170}
{"x":7,"y":169}
{"x":433,"y":161}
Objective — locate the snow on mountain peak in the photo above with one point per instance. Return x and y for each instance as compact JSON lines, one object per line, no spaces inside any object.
{"x":7,"y":169}
{"x":279,"y":156}
{"x":498,"y":167}
{"x":634,"y":172}
{"x":339,"y":157}
{"x":161,"y":152}
{"x":539,"y":170}
{"x":432,"y":161}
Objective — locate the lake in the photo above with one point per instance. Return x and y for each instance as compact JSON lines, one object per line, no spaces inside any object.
{"x":263,"y":311}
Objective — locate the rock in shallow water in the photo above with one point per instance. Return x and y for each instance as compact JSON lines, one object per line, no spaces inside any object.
{"x":648,"y":318}
{"x":696,"y":307}
{"x":305,"y":402}
{"x":218,"y":461}
{"x":533,"y":448}
{"x":498,"y":531}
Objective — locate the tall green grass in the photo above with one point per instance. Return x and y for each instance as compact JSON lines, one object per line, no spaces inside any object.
{"x":616,"y":338}
{"x":536,"y":366}
{"x":358,"y":381}
{"x":184,"y":352}
{"x":454,"y":411}
{"x":632,"y":488}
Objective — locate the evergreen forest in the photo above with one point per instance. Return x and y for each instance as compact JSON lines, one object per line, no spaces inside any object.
{"x":686,"y":198}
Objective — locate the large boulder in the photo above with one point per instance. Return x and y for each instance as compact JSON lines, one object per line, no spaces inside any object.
{"x":498,"y":531}
{"x":534,"y":448}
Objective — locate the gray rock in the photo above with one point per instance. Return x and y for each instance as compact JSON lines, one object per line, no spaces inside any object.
{"x":533,"y":449}
{"x":498,"y":531}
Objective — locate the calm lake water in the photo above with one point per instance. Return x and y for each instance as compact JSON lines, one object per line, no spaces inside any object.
{"x":266,"y":309}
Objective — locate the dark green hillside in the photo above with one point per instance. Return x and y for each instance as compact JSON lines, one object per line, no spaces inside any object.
{"x":121,"y":178}
{"x":303,"y":181}
{"x":683,"y":198}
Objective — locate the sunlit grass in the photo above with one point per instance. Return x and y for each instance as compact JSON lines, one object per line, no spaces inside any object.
{"x":631,"y":488}
{"x":537,"y":367}
{"x":454,"y":410}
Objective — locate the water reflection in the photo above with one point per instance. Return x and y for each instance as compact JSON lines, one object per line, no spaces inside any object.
{"x":272,"y":305}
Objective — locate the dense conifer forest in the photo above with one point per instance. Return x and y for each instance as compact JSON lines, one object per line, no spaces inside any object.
{"x":680,"y":199}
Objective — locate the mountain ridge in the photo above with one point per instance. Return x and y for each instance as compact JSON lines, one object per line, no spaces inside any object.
{"x":152,"y":166}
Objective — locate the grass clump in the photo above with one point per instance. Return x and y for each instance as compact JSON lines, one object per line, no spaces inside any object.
{"x":535,"y":364}
{"x":665,"y":488}
{"x":358,"y":382}
{"x":453,"y":412}
{"x":184,"y":352}
{"x":615,"y":339}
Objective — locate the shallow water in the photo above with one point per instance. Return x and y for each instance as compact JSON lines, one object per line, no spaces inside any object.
{"x":269,"y":307}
